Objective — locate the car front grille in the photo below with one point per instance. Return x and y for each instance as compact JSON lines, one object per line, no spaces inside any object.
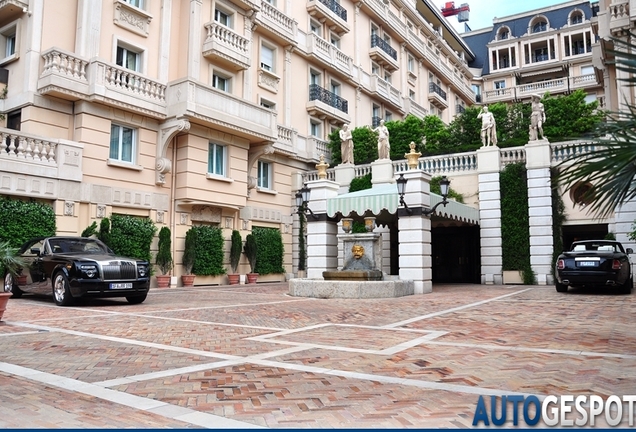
{"x":119,"y":270}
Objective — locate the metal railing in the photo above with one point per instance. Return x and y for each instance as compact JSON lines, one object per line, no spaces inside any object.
{"x":434,"y":88}
{"x":377,"y":41}
{"x":335,"y":7}
{"x":323,"y":95}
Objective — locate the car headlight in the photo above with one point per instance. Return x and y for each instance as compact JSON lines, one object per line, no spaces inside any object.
{"x":142,"y":270}
{"x":89,"y":270}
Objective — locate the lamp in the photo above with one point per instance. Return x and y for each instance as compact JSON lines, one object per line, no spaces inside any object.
{"x":444,"y":185}
{"x":302,"y":198}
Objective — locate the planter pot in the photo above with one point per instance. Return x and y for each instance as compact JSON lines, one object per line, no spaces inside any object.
{"x":4,"y":299}
{"x":251,"y":278}
{"x":233,"y":278}
{"x":187,"y":280}
{"x":163,"y":281}
{"x":512,"y":277}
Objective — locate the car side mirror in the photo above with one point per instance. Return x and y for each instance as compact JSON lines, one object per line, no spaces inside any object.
{"x":35,"y":251}
{"x":630,"y":251}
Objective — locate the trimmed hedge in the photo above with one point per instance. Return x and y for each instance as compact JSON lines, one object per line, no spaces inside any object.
{"x":269,"y":250}
{"x":209,"y":251}
{"x":515,"y":224}
{"x":24,"y":220}
{"x":130,"y":236}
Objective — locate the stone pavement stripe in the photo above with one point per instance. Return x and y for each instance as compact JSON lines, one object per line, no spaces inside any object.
{"x":455,"y":309}
{"x":235,"y":305}
{"x":130,"y":341}
{"x":525,"y":349}
{"x":151,"y":405}
{"x":20,"y":333}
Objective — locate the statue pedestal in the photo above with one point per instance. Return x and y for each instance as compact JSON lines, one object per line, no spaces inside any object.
{"x":382,"y":172}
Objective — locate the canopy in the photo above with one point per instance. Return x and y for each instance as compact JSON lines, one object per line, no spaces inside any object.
{"x":376,"y":199}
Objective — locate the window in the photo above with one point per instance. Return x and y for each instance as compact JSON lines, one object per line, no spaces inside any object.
{"x":375,"y":69}
{"x":587,"y":70}
{"x":388,"y":116}
{"x":335,"y":88}
{"x":128,"y":59}
{"x":221,"y":82}
{"x":315,"y":27}
{"x":264,"y":175}
{"x":268,"y":104}
{"x":122,"y":143}
{"x":335,"y":41}
{"x":267,"y":58}
{"x":503,"y":33}
{"x":223,"y":17}
{"x":136,"y":3}
{"x":410,"y":63}
{"x":376,"y":111}
{"x":314,"y":78}
{"x":216,"y":159}
{"x":539,"y":26}
{"x":576,"y":18}
{"x":387,"y":77}
{"x":315,"y":128}
{"x":14,"y":120}
{"x":411,"y":94}
{"x":9,"y":45}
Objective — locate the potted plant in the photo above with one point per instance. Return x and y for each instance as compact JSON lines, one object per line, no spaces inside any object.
{"x":235,"y":256}
{"x":189,"y":254}
{"x":11,"y":264}
{"x":250,"y":253}
{"x":164,"y":257}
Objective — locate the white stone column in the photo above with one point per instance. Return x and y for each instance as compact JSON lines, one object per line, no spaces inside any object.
{"x":287,"y":85}
{"x":322,"y":243}
{"x":540,"y":209}
{"x":194,"y":40}
{"x":488,"y":167}
{"x":344,"y":173}
{"x":247,"y":73}
{"x":414,"y":234}
{"x":382,"y":172}
{"x":164,"y":46}
{"x":89,"y":19}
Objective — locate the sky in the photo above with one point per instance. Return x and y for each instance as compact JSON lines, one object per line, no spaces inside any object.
{"x":482,"y":12}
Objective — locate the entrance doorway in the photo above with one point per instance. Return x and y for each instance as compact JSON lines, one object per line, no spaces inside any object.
{"x":573,"y":233}
{"x":456,"y":255}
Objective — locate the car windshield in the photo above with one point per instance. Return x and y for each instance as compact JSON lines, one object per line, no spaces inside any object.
{"x":77,"y":245}
{"x":601,"y":247}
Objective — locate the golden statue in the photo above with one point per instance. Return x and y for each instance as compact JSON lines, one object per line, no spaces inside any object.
{"x":322,"y":168}
{"x":357,"y":251}
{"x":412,"y":157}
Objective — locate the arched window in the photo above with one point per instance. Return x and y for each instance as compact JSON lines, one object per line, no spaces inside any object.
{"x":539,"y":26}
{"x":503,"y":33}
{"x":576,"y":17}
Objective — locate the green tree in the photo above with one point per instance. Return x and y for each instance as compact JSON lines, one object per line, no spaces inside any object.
{"x":402,"y":133}
{"x":437,"y":136}
{"x":164,"y":252}
{"x":611,"y":166}
{"x":131,"y":236}
{"x":570,"y":116}
{"x":365,"y":146}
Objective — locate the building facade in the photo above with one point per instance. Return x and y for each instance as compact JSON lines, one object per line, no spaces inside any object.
{"x":206,"y":111}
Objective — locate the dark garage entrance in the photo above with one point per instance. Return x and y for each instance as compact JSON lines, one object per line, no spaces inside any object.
{"x":456,"y":254}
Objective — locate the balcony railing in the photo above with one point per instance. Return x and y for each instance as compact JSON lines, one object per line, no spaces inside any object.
{"x":225,"y":44}
{"x":377,"y":41}
{"x":323,"y":95}
{"x":459,"y":109}
{"x":434,"y":88}
{"x":335,"y":7}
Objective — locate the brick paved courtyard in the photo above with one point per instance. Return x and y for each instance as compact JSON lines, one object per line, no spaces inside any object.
{"x":252,"y":356}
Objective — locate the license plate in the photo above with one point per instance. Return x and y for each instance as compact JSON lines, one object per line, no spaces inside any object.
{"x":123,"y":285}
{"x":587,"y":263}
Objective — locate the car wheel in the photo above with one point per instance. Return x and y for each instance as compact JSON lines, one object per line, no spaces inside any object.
{"x":61,"y":291}
{"x":626,"y":288}
{"x":136,"y":299}
{"x":560,"y":287}
{"x":11,"y":286}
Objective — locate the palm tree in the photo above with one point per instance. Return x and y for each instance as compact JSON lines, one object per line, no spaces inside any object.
{"x":611,"y":166}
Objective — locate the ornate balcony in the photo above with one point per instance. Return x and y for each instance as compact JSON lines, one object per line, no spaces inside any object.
{"x":329,"y":54}
{"x":331,"y":12}
{"x":325,"y":104}
{"x":207,"y":105}
{"x":12,"y":9}
{"x":33,"y":165}
{"x":225,"y":45}
{"x":437,"y":96}
{"x":412,"y":107}
{"x":277,"y":24}
{"x":382,"y":53}
{"x":68,"y":76}
{"x":387,"y":92}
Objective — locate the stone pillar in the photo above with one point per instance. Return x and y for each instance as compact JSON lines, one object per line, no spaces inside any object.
{"x":624,"y":217}
{"x":322,"y":243}
{"x":488,"y":167}
{"x":540,"y":209}
{"x":89,"y":20}
{"x":382,"y":172}
{"x":414,"y":235}
{"x":344,"y":173}
{"x":194,"y":40}
{"x":247,"y":73}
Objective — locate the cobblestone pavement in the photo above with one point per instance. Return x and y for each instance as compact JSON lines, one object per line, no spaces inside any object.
{"x":252,"y":356}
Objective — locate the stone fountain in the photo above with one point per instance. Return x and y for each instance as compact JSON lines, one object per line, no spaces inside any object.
{"x":361,"y":275}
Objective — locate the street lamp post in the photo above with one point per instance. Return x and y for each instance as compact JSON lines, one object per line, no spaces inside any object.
{"x":302,"y":198}
{"x":444,"y":185}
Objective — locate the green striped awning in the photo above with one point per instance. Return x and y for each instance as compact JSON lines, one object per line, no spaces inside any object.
{"x":381,"y":197}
